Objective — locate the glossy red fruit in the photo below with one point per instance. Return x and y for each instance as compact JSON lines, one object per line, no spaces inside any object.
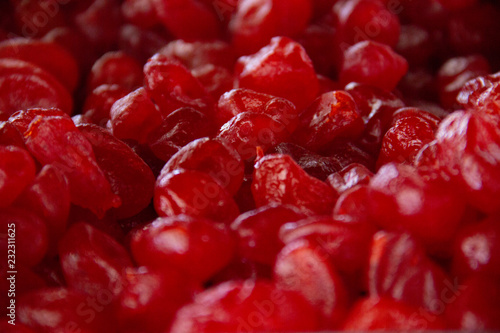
{"x":455,"y":72}
{"x":345,"y":244}
{"x":301,"y":268}
{"x":246,"y":306}
{"x":193,"y":193}
{"x":257,"y":21}
{"x":115,"y":68}
{"x":476,"y":249}
{"x":475,"y":305}
{"x":361,"y":20}
{"x":98,"y":103}
{"x":415,"y":44}
{"x":350,"y":176}
{"x":278,"y":179}
{"x":400,"y":270}
{"x":18,"y":170}
{"x":411,"y":129}
{"x":28,"y":232}
{"x":216,"y":79}
{"x":177,"y":130}
{"x":466,"y":142}
{"x":150,"y":299}
{"x":375,"y":313}
{"x":26,"y":86}
{"x":314,"y":164}
{"x":478,"y":91}
{"x":56,"y":140}
{"x":172,"y":86}
{"x":195,"y":54}
{"x":70,"y":311}
{"x":373,"y":63}
{"x":257,"y":231}
{"x":333,"y":115}
{"x":196,"y":247}
{"x":10,"y":136}
{"x":403,"y":199}
{"x":349,"y":205}
{"x":86,"y":249}
{"x":212,"y":156}
{"x":48,"y":196}
{"x":188,"y":19}
{"x":249,"y":130}
{"x":283,"y":69}
{"x":46,"y":55}
{"x":141,"y":13}
{"x":133,"y":184}
{"x":22,"y":119}
{"x":376,"y":107}
{"x":134,"y":116}
{"x":237,"y":101}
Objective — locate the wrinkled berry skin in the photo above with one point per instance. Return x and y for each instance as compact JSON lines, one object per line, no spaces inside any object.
{"x":278,"y":179}
{"x":18,"y":170}
{"x":193,"y":193}
{"x":283,"y":69}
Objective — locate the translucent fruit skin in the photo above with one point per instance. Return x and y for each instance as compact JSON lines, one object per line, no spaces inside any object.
{"x":373,"y":63}
{"x":18,"y":170}
{"x":193,"y":193}
{"x":243,"y":305}
{"x":283,"y":69}
{"x":278,"y":179}
{"x":196,"y":247}
{"x":56,"y":140}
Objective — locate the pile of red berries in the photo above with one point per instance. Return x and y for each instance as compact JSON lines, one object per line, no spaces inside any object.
{"x":193,"y":166}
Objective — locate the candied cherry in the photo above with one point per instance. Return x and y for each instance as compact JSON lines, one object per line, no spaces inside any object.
{"x":196,"y":54}
{"x":415,"y":44}
{"x":188,"y":19}
{"x":475,"y":305}
{"x":133,"y":184}
{"x":18,"y":169}
{"x":466,"y":142}
{"x":278,"y":179}
{"x":301,"y":268}
{"x":283,"y":69}
{"x":177,"y":130}
{"x":237,"y":101}
{"x":455,"y":72}
{"x":48,"y":196}
{"x":141,"y":13}
{"x":150,"y":298}
{"x":246,"y":306}
{"x":24,"y":86}
{"x":98,"y":103}
{"x":477,"y":91}
{"x":212,"y":156}
{"x":216,"y":79}
{"x":360,"y":20}
{"x":134,"y":116}
{"x":69,"y":309}
{"x":248,"y":130}
{"x":193,"y":193}
{"x":83,"y":248}
{"x":373,"y":63}
{"x":476,"y":249}
{"x":257,"y":231}
{"x":22,"y":119}
{"x":403,"y":199}
{"x":172,"y":86}
{"x":56,"y":140}
{"x":10,"y":135}
{"x":197,"y":247}
{"x":331,"y":116}
{"x":30,"y":234}
{"x":350,"y":176}
{"x":47,"y":55}
{"x":412,"y":129}
{"x":115,"y":68}
{"x":399,"y":269}
{"x":374,"y":313}
{"x":257,"y":21}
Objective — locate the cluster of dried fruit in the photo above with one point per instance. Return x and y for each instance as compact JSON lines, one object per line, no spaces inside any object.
{"x":249,"y":165}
